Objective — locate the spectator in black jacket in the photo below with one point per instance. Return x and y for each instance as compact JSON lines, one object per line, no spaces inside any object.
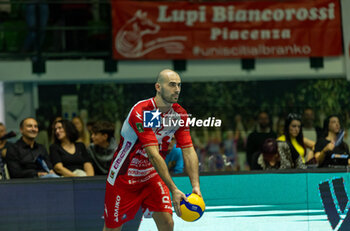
{"x":262,"y":132}
{"x":26,"y":158}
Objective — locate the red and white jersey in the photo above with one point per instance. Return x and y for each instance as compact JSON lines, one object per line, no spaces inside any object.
{"x":131,"y":163}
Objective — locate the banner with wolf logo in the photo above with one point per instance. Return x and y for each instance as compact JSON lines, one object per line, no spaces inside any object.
{"x":236,"y":29}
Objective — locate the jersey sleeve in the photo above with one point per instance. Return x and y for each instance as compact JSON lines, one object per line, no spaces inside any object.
{"x":145,"y":135}
{"x":182,"y":135}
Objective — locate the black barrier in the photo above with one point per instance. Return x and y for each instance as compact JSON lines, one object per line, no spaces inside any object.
{"x":67,"y":204}
{"x":77,"y":204}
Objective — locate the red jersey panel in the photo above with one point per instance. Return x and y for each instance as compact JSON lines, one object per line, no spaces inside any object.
{"x":131,"y":164}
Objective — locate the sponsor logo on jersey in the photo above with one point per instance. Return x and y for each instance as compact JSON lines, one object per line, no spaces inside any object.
{"x":112,"y":174}
{"x":116,"y":208}
{"x":137,"y":172}
{"x":140,"y":163}
{"x":139,"y":127}
{"x":118,"y":162}
{"x":122,"y":154}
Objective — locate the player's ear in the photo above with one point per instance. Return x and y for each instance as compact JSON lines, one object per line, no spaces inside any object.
{"x":157,"y":86}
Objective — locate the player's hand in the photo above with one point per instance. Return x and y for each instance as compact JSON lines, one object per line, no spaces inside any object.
{"x":178,"y":196}
{"x":197,"y":191}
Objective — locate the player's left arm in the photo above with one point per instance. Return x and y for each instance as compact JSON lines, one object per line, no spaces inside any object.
{"x":191,"y":167}
{"x":184,"y":141}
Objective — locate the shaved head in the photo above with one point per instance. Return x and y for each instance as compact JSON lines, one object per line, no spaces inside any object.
{"x":165,"y":74}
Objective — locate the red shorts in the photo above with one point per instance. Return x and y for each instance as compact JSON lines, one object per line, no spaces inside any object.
{"x":122,"y":201}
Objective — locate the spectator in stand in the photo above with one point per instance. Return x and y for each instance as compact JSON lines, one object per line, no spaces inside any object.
{"x":4,"y":145}
{"x":174,"y":158}
{"x":199,"y":146}
{"x":262,"y":131}
{"x":293,"y":137}
{"x":69,"y":158}
{"x":103,"y":146}
{"x":51,"y":129}
{"x":275,"y":155}
{"x":43,"y":135}
{"x":26,"y":158}
{"x":89,"y":126}
{"x":310,"y":131}
{"x":84,"y":135}
{"x":331,"y":150}
{"x":230,"y":150}
{"x":215,"y":160}
{"x":279,"y":126}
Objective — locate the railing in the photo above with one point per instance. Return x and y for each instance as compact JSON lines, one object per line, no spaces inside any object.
{"x":55,"y":29}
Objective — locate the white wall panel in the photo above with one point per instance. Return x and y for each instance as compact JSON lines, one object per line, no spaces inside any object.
{"x":146,"y":71}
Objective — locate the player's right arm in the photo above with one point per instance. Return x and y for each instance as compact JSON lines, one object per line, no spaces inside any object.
{"x":159,"y":164}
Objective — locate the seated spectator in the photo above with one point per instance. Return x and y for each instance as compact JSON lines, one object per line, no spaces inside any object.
{"x":215,"y":160}
{"x":230,"y":150}
{"x":310,"y":131}
{"x":261,"y":132}
{"x":279,"y":126}
{"x":69,"y":158}
{"x":51,"y":129}
{"x":4,"y":144}
{"x":89,"y":126}
{"x":84,"y":135}
{"x":104,"y":145}
{"x":174,"y":159}
{"x":26,"y":158}
{"x":275,"y":155}
{"x":331,"y":150}
{"x":293,"y":137}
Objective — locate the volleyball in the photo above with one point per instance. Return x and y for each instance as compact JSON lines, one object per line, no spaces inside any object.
{"x":193,"y":209}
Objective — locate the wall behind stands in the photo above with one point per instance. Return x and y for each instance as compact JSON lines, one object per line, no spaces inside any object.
{"x":77,"y":204}
{"x":20,"y":101}
{"x":145,"y":71}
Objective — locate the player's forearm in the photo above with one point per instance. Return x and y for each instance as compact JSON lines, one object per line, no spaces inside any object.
{"x":191,"y":165}
{"x":160,"y":166}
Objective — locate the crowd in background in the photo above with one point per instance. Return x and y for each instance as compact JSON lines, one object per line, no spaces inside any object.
{"x":290,"y":141}
{"x":71,"y":148}
{"x":67,"y":150}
